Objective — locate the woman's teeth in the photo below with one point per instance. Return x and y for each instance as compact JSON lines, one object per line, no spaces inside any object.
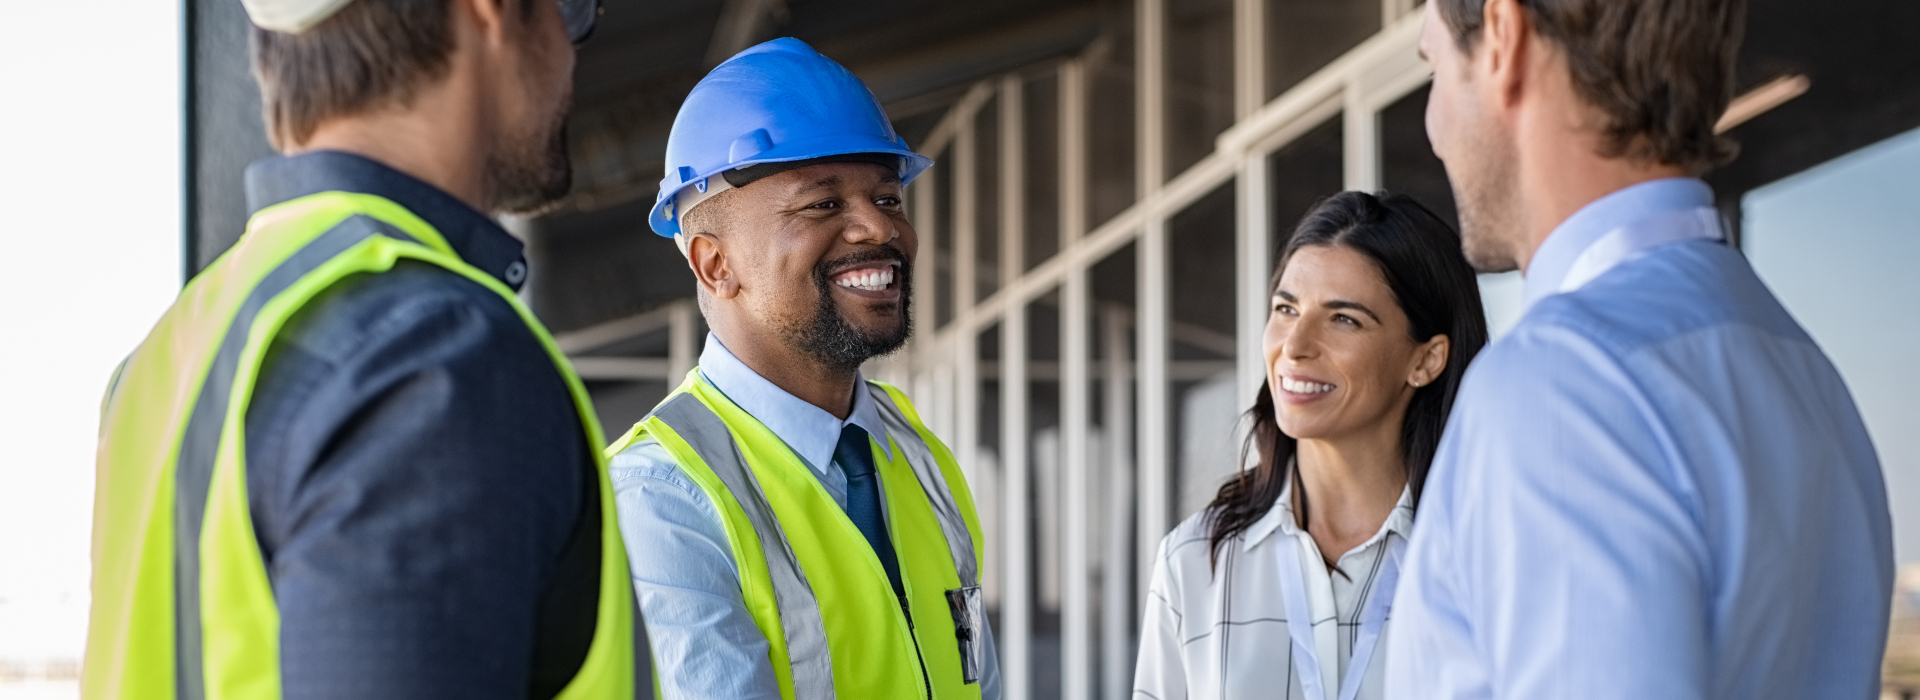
{"x":1300,"y":387}
{"x":868,"y":280}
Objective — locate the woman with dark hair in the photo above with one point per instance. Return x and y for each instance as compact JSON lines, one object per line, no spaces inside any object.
{"x":1285,"y":580}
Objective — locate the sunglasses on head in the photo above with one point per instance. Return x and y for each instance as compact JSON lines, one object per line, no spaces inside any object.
{"x":579,"y":16}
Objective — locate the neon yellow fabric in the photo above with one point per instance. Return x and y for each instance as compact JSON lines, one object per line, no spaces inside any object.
{"x":130,"y":646}
{"x":874,"y":653}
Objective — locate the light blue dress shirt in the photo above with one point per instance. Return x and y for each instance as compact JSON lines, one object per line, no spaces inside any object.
{"x":704,"y":641}
{"x":1656,"y":486}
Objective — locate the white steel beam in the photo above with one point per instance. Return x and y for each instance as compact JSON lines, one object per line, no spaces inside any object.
{"x":1117,"y":646}
{"x":1251,"y":276}
{"x":1155,"y":428}
{"x":1017,"y":601}
{"x":1249,"y":59}
{"x":1076,"y":591}
{"x":1013,"y":180}
{"x":1076,"y":587}
{"x":1151,"y":116}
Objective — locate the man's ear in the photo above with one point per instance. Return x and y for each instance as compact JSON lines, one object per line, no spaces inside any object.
{"x":485,"y":19}
{"x":711,"y":267}
{"x":1503,"y":50}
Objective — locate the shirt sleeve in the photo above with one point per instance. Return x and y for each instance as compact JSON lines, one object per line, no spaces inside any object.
{"x":1563,"y":558}
{"x":418,"y":478}
{"x":1160,"y":673}
{"x":705,"y":643}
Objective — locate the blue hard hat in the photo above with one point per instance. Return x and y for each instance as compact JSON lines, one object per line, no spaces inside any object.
{"x":778,"y":102}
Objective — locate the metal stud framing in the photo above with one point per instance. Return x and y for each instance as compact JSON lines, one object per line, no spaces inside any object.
{"x":1131,"y":481}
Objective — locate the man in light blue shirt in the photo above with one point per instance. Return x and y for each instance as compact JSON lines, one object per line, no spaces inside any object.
{"x":1656,"y":485}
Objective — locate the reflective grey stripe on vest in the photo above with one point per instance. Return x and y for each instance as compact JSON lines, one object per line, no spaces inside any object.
{"x":806,"y":633}
{"x":934,"y":482}
{"x":200,"y":445}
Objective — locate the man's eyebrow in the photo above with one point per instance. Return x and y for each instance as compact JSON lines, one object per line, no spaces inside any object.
{"x":827,"y":182}
{"x":1286,"y":296}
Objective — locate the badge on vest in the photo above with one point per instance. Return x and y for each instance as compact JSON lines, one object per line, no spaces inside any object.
{"x":969,"y":620}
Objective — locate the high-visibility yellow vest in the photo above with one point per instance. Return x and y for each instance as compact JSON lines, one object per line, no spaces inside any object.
{"x":171,"y":500}
{"x":814,"y":586}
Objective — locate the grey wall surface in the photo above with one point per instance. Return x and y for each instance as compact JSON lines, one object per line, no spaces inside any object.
{"x":223,"y":129}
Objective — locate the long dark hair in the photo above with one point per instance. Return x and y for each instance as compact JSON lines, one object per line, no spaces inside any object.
{"x":1419,"y":255}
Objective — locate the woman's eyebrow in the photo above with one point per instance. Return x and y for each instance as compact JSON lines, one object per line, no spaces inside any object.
{"x":1356,"y":306}
{"x":1288,"y":297}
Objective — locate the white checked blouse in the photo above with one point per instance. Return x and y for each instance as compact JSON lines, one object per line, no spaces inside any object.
{"x":1220,"y":633}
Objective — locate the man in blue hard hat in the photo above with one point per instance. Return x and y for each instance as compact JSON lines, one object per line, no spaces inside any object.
{"x":795,"y":530}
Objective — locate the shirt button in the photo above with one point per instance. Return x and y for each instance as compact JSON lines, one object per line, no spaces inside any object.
{"x":516,"y":273}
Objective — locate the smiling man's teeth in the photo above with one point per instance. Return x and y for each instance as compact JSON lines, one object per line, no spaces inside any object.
{"x":869,"y":280}
{"x":1300,"y":387}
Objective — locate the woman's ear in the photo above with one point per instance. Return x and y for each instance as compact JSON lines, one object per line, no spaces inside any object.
{"x":1429,"y":360}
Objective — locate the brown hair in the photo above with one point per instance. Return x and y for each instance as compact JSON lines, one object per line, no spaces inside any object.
{"x":1660,"y":71}
{"x":371,"y":54}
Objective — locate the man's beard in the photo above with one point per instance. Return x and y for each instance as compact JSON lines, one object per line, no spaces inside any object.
{"x":529,"y":174}
{"x":1486,"y":190}
{"x":829,"y":339}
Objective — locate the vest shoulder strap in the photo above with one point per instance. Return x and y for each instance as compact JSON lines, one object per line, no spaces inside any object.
{"x":953,"y":523}
{"x":805,"y":632}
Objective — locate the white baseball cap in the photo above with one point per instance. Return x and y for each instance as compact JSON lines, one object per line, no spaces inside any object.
{"x":291,"y":16}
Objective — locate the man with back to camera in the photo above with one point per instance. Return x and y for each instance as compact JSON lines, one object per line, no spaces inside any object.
{"x":797,"y":532}
{"x":348,"y":463}
{"x":1655,"y":486}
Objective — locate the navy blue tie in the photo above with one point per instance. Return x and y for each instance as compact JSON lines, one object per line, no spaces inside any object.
{"x":855,"y":457}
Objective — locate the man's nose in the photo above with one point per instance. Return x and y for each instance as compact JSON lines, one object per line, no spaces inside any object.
{"x":867,"y":224}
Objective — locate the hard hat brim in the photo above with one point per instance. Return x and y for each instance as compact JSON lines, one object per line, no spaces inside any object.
{"x":911,"y":165}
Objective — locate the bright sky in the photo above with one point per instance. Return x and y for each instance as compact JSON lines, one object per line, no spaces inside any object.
{"x":90,"y":186}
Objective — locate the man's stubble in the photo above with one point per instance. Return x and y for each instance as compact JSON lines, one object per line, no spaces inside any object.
{"x":1485,"y":181}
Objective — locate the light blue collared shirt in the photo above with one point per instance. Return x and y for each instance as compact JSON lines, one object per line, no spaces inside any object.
{"x":1655,"y":486}
{"x":704,"y":641}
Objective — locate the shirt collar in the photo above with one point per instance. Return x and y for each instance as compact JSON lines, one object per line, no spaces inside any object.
{"x":1622,"y":208}
{"x":1280,"y":518}
{"x":477,"y":239}
{"x":808,"y":430}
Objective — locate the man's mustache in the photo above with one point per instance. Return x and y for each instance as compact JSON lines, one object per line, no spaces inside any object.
{"x":882,"y":253}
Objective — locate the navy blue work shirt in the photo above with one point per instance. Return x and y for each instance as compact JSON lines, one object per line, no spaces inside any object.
{"x":420,"y":483}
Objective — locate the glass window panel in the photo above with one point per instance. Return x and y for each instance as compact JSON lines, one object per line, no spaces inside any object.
{"x":986,"y":200}
{"x":1045,"y":504}
{"x":941,"y":181}
{"x":1408,"y":166}
{"x":1303,"y":36}
{"x":1110,"y":119}
{"x":1201,"y":331}
{"x":1199,"y":80}
{"x":1301,"y":174}
{"x":1407,"y":163}
{"x":1110,"y":475}
{"x":1040,"y":104}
